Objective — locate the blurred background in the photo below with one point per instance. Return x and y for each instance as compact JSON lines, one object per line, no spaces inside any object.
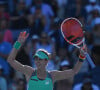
{"x":42,"y":20}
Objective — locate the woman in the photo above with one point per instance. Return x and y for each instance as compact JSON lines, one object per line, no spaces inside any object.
{"x":40,"y":79}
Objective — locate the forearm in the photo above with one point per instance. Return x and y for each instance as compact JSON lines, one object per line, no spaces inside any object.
{"x":14,"y":51}
{"x":11,"y":58}
{"x":79,"y":63}
{"x":12,"y":55}
{"x":77,"y":67}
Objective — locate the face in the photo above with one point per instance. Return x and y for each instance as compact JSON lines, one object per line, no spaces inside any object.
{"x":44,"y":38}
{"x":3,"y":24}
{"x":40,"y":63}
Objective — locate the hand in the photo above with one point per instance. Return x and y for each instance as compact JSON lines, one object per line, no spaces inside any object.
{"x":22,"y":37}
{"x":83,"y":50}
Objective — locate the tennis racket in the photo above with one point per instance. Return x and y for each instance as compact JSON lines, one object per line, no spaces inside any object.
{"x":72,"y":32}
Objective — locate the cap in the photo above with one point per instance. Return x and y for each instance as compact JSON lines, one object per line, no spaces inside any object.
{"x":35,"y":37}
{"x":42,"y":54}
{"x":64,"y":63}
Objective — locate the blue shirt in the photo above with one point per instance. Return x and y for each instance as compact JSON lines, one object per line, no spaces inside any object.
{"x":5,"y":49}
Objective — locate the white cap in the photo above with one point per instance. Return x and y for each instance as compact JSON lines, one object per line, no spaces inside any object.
{"x":35,"y":37}
{"x":97,"y":21}
{"x":92,"y":1}
{"x":64,"y":63}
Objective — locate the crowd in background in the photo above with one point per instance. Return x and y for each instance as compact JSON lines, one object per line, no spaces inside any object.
{"x":42,"y":20}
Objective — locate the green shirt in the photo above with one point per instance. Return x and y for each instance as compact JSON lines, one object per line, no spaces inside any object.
{"x":37,"y":84}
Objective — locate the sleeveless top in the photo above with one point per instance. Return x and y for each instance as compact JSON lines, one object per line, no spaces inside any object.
{"x":40,"y":84}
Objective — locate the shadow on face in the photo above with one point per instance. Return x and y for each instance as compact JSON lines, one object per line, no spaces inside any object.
{"x":40,"y":63}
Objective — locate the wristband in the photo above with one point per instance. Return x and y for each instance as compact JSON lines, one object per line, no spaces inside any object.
{"x":17,"y":45}
{"x":81,"y":58}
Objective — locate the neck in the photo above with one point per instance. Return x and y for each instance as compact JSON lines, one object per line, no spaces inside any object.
{"x":41,"y":73}
{"x":41,"y":70}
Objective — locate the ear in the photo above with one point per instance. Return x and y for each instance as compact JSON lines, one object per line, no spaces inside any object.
{"x":49,"y":55}
{"x":46,"y":61}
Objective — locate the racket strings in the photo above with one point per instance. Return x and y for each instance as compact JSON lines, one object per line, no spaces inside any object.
{"x":76,"y":40}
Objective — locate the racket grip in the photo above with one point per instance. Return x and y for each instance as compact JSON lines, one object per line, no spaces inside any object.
{"x":90,"y":61}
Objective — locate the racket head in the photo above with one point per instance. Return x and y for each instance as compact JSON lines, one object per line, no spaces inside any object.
{"x":72,"y":32}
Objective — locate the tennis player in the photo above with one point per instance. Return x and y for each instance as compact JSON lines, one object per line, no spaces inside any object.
{"x":40,"y":79}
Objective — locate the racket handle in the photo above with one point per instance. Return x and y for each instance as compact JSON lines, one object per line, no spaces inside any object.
{"x":90,"y":61}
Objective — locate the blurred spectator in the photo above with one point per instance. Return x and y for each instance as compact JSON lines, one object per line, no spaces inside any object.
{"x":5,"y":48}
{"x":62,"y":4}
{"x":63,"y":54}
{"x":79,"y":9}
{"x":4,"y":25}
{"x":64,"y":65}
{"x":35,"y":41}
{"x":12,"y":4}
{"x":46,"y":43}
{"x":16,"y":77}
{"x":92,"y":5}
{"x":19,"y":16}
{"x":3,"y":13}
{"x":55,"y":34}
{"x":46,"y":11}
{"x":3,"y":82}
{"x":64,"y":84}
{"x":96,"y":31}
{"x":96,"y":55}
{"x":96,"y":71}
{"x":55,"y":8}
{"x":76,"y":9}
{"x":28,"y":3}
{"x":86,"y":85}
{"x":23,"y":55}
{"x":53,"y":63}
{"x":20,"y":84}
{"x":89,"y":39}
{"x":37,"y":21}
{"x":92,"y":16}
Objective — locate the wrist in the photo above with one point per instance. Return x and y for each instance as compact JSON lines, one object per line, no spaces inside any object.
{"x":17,"y":45}
{"x":82,"y":58}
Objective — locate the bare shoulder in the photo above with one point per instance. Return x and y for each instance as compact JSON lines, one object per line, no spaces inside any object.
{"x":28,"y":69}
{"x":53,"y":74}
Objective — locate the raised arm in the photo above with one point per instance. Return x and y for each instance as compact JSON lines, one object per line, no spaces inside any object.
{"x":26,"y":70}
{"x":60,"y":75}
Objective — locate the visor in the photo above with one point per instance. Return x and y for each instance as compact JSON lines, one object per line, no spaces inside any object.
{"x":41,"y":55}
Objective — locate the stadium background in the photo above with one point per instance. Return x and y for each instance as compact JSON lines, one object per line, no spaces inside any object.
{"x":42,"y":19}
